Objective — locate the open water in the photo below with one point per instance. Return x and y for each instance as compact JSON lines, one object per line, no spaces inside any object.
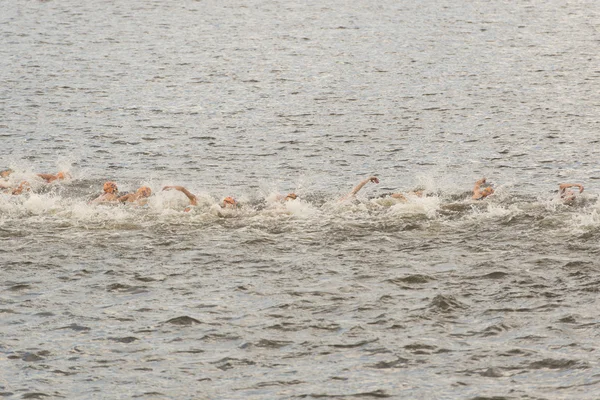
{"x":440,"y":297}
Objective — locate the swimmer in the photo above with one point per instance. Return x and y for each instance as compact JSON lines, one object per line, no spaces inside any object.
{"x":358,"y":187}
{"x":568,"y":196}
{"x":140,"y":196}
{"x":400,"y":196}
{"x":480,"y":194}
{"x":4,"y":175}
{"x":193,"y":199}
{"x":110,"y":193}
{"x":229,"y":202}
{"x":288,"y":197}
{"x":23,"y":187}
{"x":51,"y":178}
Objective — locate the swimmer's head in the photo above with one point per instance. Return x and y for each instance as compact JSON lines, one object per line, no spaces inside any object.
{"x":62,"y":175}
{"x":291,"y":196}
{"x":487,"y":191}
{"x":229,"y":202}
{"x":144,"y":191}
{"x":6,"y":173}
{"x":110,"y":187}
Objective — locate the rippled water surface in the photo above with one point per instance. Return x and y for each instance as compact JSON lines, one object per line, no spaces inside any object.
{"x":439,"y":297}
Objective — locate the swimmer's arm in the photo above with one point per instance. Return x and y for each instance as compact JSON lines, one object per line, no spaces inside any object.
{"x":399,"y":196}
{"x":477,"y":189}
{"x":193,"y":199}
{"x":358,"y":187}
{"x":105,"y":198}
{"x":47,"y":177}
{"x":564,"y":186}
{"x":24,"y":186}
{"x":51,"y":178}
{"x":127,"y":197}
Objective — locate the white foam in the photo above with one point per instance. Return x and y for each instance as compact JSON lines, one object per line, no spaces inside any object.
{"x":38,"y":204}
{"x":426,"y":205}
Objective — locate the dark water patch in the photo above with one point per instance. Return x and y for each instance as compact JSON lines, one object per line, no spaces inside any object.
{"x":220,"y":337}
{"x":353,"y":345}
{"x":148,"y":278}
{"x":591,"y":383}
{"x":272,"y":344}
{"x":569,"y":319}
{"x":119,"y":287}
{"x":29,"y":356}
{"x":550,"y":363}
{"x":44,"y":314}
{"x":420,"y":349}
{"x":39,"y":395}
{"x":579,"y":266}
{"x":542,"y":308}
{"x":378,"y":394}
{"x":315,"y":293}
{"x":276,"y":383}
{"x":591,"y":287}
{"x":191,"y":351}
{"x":415,"y":279}
{"x":286,"y":327}
{"x":493,"y":398}
{"x":126,"y":339}
{"x":65,"y":373}
{"x":445,"y":304}
{"x":328,"y":326}
{"x":183,"y":320}
{"x":149,"y":394}
{"x":397,"y":326}
{"x":492,"y":373}
{"x":228,"y":363}
{"x":397,"y":363}
{"x":494,"y":275}
{"x":75,"y":327}
{"x":516,"y":353}
{"x":494,"y":330}
{"x":377,"y":350}
{"x":19,"y":287}
{"x":203,"y":138}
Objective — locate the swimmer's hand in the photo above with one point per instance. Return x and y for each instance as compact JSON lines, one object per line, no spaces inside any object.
{"x":374,"y":179}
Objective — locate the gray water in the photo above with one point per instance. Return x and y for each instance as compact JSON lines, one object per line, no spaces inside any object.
{"x":437,"y":298}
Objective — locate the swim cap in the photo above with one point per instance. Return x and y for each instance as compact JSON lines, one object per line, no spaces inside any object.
{"x":144,"y":191}
{"x":110,"y":187}
{"x":487,"y":191}
{"x":291,"y":196}
{"x":61,"y":175}
{"x":229,"y":201}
